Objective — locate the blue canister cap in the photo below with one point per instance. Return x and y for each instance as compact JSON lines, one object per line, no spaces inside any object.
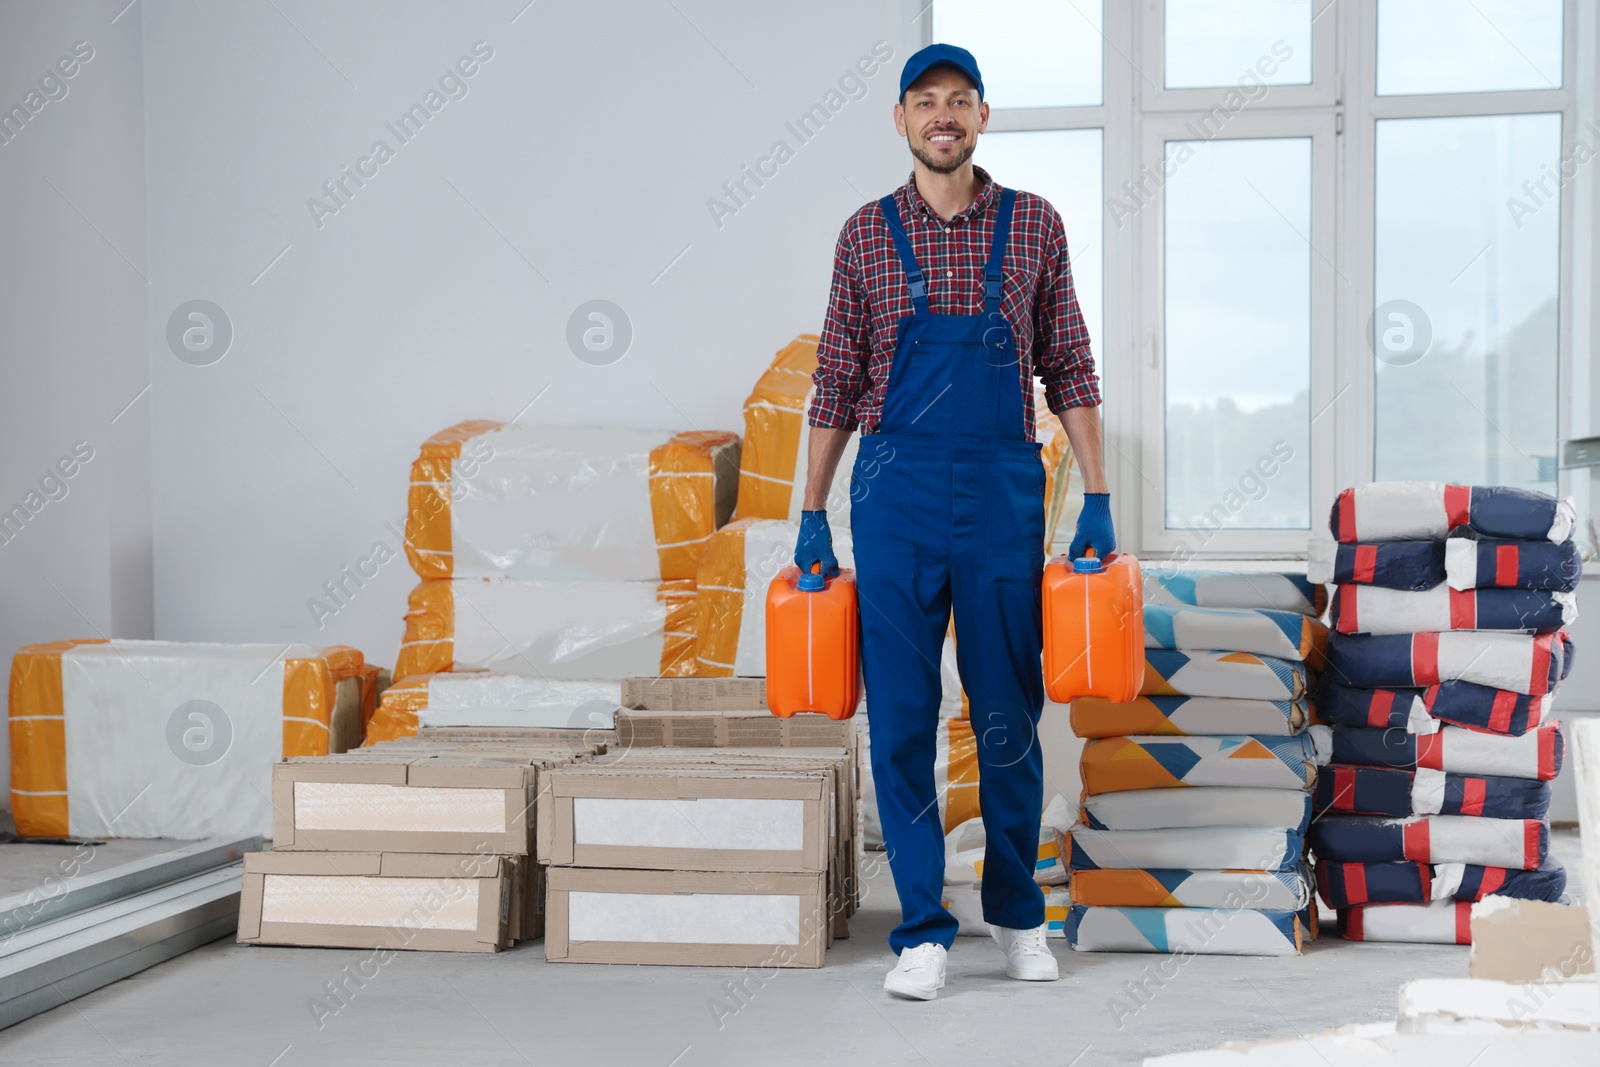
{"x":1086,"y":565}
{"x":811,"y":582}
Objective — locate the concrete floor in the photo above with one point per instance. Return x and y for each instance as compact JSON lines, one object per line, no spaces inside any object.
{"x":249,"y":1005}
{"x":24,"y":866}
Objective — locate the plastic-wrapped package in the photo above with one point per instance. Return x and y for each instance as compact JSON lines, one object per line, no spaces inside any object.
{"x":168,"y":739}
{"x":1285,"y":635}
{"x":1444,"y":922}
{"x":1274,"y":590}
{"x":518,"y":699}
{"x":571,"y":630}
{"x":1222,"y":674}
{"x":1397,"y":792}
{"x":1372,"y":609}
{"x":1188,"y":931}
{"x":1424,"y":511}
{"x":772,"y":472}
{"x":1282,"y":890}
{"x":563,"y":503}
{"x":1114,"y":764}
{"x":1186,"y":716}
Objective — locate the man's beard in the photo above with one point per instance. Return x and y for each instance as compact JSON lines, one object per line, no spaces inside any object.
{"x":937,"y":167}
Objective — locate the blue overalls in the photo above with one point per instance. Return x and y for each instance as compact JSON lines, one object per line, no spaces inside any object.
{"x":948,"y":512}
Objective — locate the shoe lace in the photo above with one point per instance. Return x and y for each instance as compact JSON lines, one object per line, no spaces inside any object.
{"x":924,"y":955}
{"x":1031,"y":942}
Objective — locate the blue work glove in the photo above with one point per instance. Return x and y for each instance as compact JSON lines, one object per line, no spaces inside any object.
{"x":816,"y":544}
{"x":1094,"y":527}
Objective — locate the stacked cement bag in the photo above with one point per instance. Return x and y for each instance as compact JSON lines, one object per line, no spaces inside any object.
{"x":172,"y":739}
{"x":1197,"y":795}
{"x":1448,"y":611}
{"x":561,"y":552}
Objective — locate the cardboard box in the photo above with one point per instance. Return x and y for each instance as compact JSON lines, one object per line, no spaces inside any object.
{"x":1529,"y":941}
{"x":702,"y":919}
{"x":593,"y":740}
{"x":454,"y":903}
{"x":701,"y":819}
{"x":695,"y":694}
{"x":404,"y":802}
{"x":731,"y":729}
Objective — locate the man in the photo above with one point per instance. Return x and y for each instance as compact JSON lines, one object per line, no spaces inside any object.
{"x":948,"y":296}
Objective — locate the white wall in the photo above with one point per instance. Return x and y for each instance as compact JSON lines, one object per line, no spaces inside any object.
{"x":578,"y":166}
{"x":73,"y":306}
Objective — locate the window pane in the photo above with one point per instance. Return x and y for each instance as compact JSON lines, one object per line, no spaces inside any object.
{"x":1215,"y":43}
{"x":1466,"y":290}
{"x":1468,"y":46}
{"x":1238,"y":334}
{"x":1064,"y":167}
{"x":1032,"y":53}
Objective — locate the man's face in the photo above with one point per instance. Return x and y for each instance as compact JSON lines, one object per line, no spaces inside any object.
{"x":940,"y":118}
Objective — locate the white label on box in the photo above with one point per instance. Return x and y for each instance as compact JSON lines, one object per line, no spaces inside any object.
{"x":371,"y":806}
{"x":359,"y":900}
{"x":684,"y":918}
{"x":709,"y":822}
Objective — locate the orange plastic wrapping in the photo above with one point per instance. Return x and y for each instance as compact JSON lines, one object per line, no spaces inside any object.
{"x":719,"y":600}
{"x":429,"y":642}
{"x":1058,"y":462}
{"x":396,"y":716}
{"x":428,"y":545}
{"x":678,"y":637}
{"x":38,"y":724}
{"x":683,"y":504}
{"x":774,"y":417}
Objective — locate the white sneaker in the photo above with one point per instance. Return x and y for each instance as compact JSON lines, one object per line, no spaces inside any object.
{"x":920,"y":973}
{"x":1028,"y":955}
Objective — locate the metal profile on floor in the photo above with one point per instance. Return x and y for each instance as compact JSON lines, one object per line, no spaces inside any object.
{"x":128,"y":918}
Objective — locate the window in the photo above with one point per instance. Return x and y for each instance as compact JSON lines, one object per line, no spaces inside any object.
{"x":1316,"y":243}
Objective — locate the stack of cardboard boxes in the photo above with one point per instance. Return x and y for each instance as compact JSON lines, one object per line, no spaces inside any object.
{"x":709,"y":836}
{"x":423,"y":844}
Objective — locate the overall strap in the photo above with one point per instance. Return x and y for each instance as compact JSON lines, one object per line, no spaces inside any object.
{"x":908,"y":259}
{"x":992,"y":276}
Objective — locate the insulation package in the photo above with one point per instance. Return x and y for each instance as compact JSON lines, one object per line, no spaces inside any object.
{"x":1222,"y":674}
{"x":566,"y":630}
{"x":566,"y":503}
{"x":168,"y":739}
{"x":492,"y":698}
{"x":1188,"y":931}
{"x":775,"y":457}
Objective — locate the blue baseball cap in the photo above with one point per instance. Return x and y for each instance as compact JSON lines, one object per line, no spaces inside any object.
{"x":940,"y":55}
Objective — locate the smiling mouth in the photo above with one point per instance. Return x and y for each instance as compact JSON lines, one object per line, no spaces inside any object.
{"x":943,"y":139}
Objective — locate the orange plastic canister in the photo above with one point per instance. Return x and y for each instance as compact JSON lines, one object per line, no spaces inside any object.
{"x":813,"y":644}
{"x":1093,"y":628}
